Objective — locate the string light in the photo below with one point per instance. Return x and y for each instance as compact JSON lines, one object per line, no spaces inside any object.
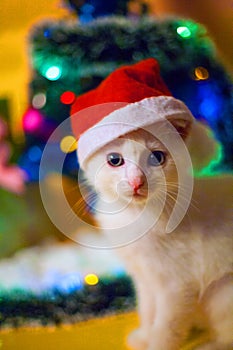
{"x":201,"y":73}
{"x":91,"y":279}
{"x":47,"y":33}
{"x":184,"y":32}
{"x":53,"y":73}
{"x":210,"y":101}
{"x":86,"y":13}
{"x":69,"y":283}
{"x":208,"y":108}
{"x":68,"y":144}
{"x":34,"y":154}
{"x":39,"y":100}
{"x":67,"y":97}
{"x":32,"y":120}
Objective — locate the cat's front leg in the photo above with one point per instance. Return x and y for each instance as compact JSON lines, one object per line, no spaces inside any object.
{"x":218,"y":303}
{"x":174,"y":317}
{"x":138,"y":339}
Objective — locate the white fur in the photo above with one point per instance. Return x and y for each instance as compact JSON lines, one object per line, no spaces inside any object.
{"x":184,"y":278}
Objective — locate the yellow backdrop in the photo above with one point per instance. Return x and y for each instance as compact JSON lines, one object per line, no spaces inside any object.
{"x":106,"y":333}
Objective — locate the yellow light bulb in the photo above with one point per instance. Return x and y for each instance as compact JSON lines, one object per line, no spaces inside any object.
{"x":201,"y":73}
{"x":91,"y":279}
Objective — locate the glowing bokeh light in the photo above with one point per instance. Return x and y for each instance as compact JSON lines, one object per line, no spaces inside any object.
{"x":69,"y":283}
{"x":68,"y":144}
{"x":67,"y":97}
{"x":201,"y":73}
{"x":39,"y":100}
{"x":210,"y":169}
{"x":34,"y":154}
{"x":211,"y":103}
{"x":184,"y":31}
{"x":91,"y":279}
{"x":32,"y":120}
{"x":53,"y":73}
{"x":47,"y":33}
{"x":208,"y":108}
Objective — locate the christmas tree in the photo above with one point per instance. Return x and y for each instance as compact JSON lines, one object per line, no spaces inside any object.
{"x":69,"y":59}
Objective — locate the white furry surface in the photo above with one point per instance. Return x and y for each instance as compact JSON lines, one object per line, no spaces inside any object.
{"x":44,"y":267}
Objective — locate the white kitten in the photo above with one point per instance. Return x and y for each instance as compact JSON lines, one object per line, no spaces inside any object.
{"x":184,"y":277}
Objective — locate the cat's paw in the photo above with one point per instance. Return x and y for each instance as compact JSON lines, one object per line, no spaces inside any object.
{"x":138,"y":339}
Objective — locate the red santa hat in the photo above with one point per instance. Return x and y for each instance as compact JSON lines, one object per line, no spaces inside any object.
{"x":130,"y":98}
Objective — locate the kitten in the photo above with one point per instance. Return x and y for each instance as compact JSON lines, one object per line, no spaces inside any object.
{"x":184,"y":277}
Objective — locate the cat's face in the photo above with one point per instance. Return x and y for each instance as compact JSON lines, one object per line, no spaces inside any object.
{"x":135,"y":167}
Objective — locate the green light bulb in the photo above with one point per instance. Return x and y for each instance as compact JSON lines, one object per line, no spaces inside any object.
{"x":184,"y":32}
{"x":53,"y":73}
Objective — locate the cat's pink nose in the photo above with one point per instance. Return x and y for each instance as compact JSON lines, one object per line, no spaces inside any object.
{"x":136,"y":184}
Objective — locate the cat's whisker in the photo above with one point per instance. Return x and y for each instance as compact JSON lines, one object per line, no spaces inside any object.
{"x":80,"y":204}
{"x":171,"y":200}
{"x":159,"y":197}
{"x":169,"y":204}
{"x":173,"y":196}
{"x":174,"y":184}
{"x":83,"y":204}
{"x":81,"y":209}
{"x":192,"y":201}
{"x":167,"y":208}
{"x":174,"y":188}
{"x":174,"y":199}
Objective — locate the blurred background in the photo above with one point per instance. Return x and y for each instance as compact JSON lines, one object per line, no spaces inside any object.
{"x":52,"y":51}
{"x":18,"y":17}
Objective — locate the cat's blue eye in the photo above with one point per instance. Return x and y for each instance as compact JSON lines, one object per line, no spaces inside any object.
{"x":115,"y":159}
{"x":156,"y":158}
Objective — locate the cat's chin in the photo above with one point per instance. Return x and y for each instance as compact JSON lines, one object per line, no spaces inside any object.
{"x":137,"y":198}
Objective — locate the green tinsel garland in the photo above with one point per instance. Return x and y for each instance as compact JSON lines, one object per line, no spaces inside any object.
{"x":113,"y":41}
{"x":110,"y":295}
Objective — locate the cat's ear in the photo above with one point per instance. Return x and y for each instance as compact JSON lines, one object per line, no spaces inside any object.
{"x":182,"y":125}
{"x":203,"y":147}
